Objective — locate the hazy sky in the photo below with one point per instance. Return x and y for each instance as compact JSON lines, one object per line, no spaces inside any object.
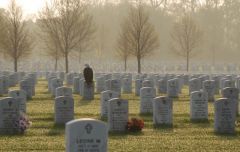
{"x":29,"y":6}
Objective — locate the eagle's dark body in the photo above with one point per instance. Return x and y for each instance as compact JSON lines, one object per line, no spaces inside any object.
{"x":88,"y":75}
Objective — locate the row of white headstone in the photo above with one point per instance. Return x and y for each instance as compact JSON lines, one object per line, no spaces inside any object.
{"x":13,"y":106}
{"x":92,"y":135}
{"x":198,"y":104}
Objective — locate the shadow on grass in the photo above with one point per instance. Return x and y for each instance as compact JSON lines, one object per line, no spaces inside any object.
{"x":86,"y":115}
{"x":97,"y":98}
{"x":164,"y":127}
{"x":10,"y":135}
{"x":45,"y":92}
{"x":43,"y":119}
{"x":188,"y":121}
{"x":206,"y":121}
{"x":125,"y":134}
{"x":30,"y":99}
{"x":42,"y":98}
{"x":228,"y":136}
{"x":56,"y":130}
{"x":83,"y":102}
{"x":146,"y":115}
{"x":199,"y":123}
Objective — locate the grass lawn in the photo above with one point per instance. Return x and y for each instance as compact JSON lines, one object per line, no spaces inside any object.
{"x":184,"y":136}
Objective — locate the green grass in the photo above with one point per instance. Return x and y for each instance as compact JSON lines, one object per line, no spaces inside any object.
{"x":183,"y":136}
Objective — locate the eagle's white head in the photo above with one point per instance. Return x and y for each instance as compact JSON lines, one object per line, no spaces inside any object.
{"x":87,"y":65}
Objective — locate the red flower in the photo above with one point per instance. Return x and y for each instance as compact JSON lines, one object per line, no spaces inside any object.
{"x":135,"y":124}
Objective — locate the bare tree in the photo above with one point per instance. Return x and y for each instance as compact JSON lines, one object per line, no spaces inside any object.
{"x":69,"y":23}
{"x":49,"y":43}
{"x":186,"y":37}
{"x":100,"y":42}
{"x":17,"y":42}
{"x":158,"y":3}
{"x":141,"y":37}
{"x":53,"y":51}
{"x":122,"y":46}
{"x":213,"y":3}
{"x":2,"y":22}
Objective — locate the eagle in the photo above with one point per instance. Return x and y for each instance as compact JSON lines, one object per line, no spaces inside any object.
{"x":88,"y":74}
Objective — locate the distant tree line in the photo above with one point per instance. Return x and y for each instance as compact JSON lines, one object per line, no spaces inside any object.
{"x":130,"y":28}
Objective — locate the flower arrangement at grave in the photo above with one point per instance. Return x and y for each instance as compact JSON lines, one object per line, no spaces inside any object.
{"x":135,"y":125}
{"x":22,"y":123}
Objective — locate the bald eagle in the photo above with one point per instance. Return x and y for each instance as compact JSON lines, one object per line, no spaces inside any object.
{"x":88,"y":74}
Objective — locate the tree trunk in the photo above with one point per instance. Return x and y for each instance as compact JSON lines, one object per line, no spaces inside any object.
{"x":56,"y":64}
{"x":213,"y":56}
{"x":15,"y":65}
{"x":79,"y":57}
{"x":187,"y":62}
{"x":139,"y":64}
{"x":125,"y":65}
{"x":66,"y":62}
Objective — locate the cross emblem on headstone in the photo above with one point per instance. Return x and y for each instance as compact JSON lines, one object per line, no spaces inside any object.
{"x":200,"y":95}
{"x":226,"y":102}
{"x":119,"y":103}
{"x":164,"y":101}
{"x":88,"y":128}
{"x":64,"y":102}
{"x":10,"y":103}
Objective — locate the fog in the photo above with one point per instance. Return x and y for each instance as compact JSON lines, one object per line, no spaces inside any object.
{"x":218,"y":19}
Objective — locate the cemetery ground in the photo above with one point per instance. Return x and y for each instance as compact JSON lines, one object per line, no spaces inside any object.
{"x":185,"y":135}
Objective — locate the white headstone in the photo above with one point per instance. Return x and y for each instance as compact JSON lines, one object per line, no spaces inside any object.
{"x":21,"y":97}
{"x":64,"y":109}
{"x":105,"y":97}
{"x":117,"y":115}
{"x":108,"y":84}
{"x":224,"y":116}
{"x":138,"y":86}
{"x":198,"y":106}
{"x":50,"y":83}
{"x":116,"y":86}
{"x":86,"y":135}
{"x":162,"y":86}
{"x":55,"y":83}
{"x":228,"y":84}
{"x":148,"y":83}
{"x":162,"y":111}
{"x":147,"y":95}
{"x":100,"y":84}
{"x":194,"y":85}
{"x":209,"y":87}
{"x":81,"y":86}
{"x":88,"y":91}
{"x":1,"y":86}
{"x":9,"y":113}
{"x":5,"y":86}
{"x":172,"y":88}
{"x":64,"y":91}
{"x":61,"y":76}
{"x":32,"y":83}
{"x":127,"y":85}
{"x":217,"y":84}
{"x":26,"y":86}
{"x":69,"y":78}
{"x":233,"y":95}
{"x":76,"y":86}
